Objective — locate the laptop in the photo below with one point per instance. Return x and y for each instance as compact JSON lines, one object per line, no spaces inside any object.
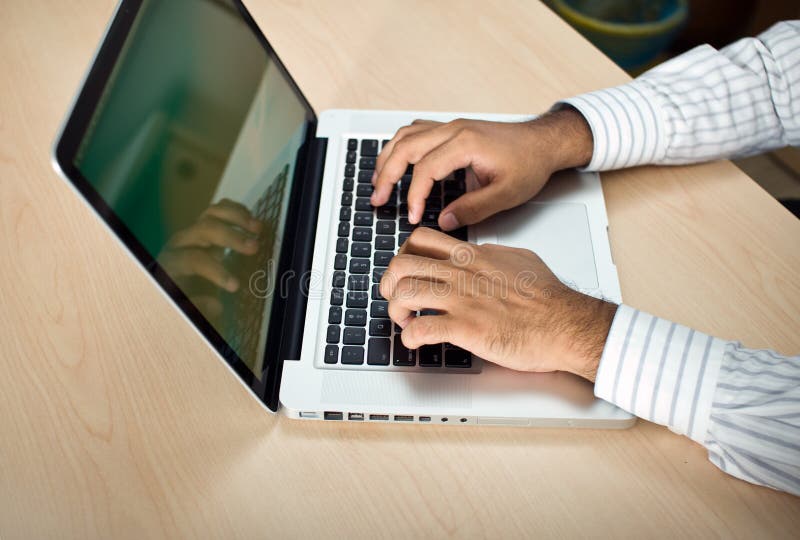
{"x":250,"y":211}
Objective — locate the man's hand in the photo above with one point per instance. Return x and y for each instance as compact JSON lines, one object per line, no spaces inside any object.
{"x":502,"y":304}
{"x":507,"y":163}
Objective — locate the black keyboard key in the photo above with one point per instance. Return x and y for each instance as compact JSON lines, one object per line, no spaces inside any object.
{"x":359,"y":266}
{"x":382,"y":258}
{"x":365,"y":177}
{"x":341,"y":245}
{"x":357,"y":299}
{"x":429,"y":218}
{"x":335,"y":315}
{"x":403,"y":210}
{"x":449,"y":198}
{"x":364,"y":190}
{"x":337,"y":297}
{"x":347,"y":198}
{"x":369,"y":148}
{"x":352,"y":144}
{"x":347,"y":185}
{"x":351,"y":157}
{"x":344,"y":214}
{"x":379,"y":309}
{"x":377,"y":274}
{"x":333,"y":333}
{"x":349,"y":170}
{"x":460,"y":175}
{"x":385,"y":227}
{"x":387,"y":212}
{"x":363,"y":219}
{"x":402,"y":237}
{"x":362,"y":234}
{"x":455,"y":187}
{"x":380,"y":327}
{"x":376,"y":292}
{"x":361,"y":249}
{"x":344,"y":228}
{"x":331,"y":354}
{"x":403,"y":356}
{"x":385,"y":243}
{"x":456,"y":357}
{"x":363,"y":205}
{"x":379,"y":351}
{"x":353,"y":355}
{"x":366,"y":163}
{"x":340,"y":262}
{"x":460,"y":233}
{"x":338,"y":279}
{"x":429,"y":355}
{"x":403,"y":223}
{"x":384,"y":143}
{"x":355,"y":317}
{"x":354,"y":336}
{"x":358,"y":283}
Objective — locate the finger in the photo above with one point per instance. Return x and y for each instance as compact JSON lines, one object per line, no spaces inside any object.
{"x":198,"y":262}
{"x":415,"y":127}
{"x":412,"y":295}
{"x":455,"y":153}
{"x":209,"y":306}
{"x":412,"y":266}
{"x":427,"y":242}
{"x":475,"y":206}
{"x":410,"y":150}
{"x":430,"y":330}
{"x":235,"y":213}
{"x":210,"y":231}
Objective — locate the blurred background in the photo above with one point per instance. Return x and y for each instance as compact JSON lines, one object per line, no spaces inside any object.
{"x":638,"y":34}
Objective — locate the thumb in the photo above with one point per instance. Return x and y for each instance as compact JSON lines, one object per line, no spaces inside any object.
{"x":474,"y":206}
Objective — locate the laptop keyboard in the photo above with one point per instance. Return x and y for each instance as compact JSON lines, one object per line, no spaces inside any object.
{"x":359,"y":331}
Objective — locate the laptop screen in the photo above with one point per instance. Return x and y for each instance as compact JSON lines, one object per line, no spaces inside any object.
{"x":193,"y":145}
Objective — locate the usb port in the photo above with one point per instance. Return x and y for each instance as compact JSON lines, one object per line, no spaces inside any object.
{"x":382,"y":417}
{"x":403,"y":418}
{"x":333,"y":415}
{"x":355,"y":416}
{"x":424,"y":418}
{"x":308,"y":414}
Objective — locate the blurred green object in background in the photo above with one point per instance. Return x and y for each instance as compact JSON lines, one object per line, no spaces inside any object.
{"x":630,"y":32}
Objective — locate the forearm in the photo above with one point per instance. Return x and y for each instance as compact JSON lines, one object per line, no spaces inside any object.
{"x":742,"y":405}
{"x":702,"y":105}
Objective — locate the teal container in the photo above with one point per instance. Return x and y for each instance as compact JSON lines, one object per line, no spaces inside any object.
{"x":630,"y":32}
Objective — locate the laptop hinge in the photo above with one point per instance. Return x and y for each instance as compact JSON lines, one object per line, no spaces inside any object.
{"x":308,"y":213}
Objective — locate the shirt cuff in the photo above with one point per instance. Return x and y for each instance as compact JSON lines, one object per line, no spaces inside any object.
{"x":627,"y":125}
{"x":660,"y":371}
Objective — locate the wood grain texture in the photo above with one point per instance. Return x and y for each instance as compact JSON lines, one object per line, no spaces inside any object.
{"x":117,"y":421}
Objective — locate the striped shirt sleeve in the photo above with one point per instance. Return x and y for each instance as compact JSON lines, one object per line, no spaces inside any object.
{"x":743,"y":405}
{"x":702,"y":105}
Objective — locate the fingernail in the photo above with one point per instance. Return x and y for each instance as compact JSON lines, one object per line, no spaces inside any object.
{"x":413,"y":214}
{"x":232,"y":284}
{"x":449,"y":222}
{"x":250,"y":244}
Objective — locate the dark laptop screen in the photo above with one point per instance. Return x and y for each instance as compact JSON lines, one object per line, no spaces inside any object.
{"x":194,"y":147}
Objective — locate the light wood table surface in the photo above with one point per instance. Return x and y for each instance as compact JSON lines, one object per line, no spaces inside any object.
{"x":116,"y":420}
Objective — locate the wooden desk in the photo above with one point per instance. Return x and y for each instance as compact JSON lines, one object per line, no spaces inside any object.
{"x":117,"y":421}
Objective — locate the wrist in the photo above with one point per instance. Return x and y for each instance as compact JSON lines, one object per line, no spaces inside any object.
{"x":591,"y":331}
{"x":564,"y":138}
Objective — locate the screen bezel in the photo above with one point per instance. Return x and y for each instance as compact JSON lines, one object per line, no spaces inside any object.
{"x":266,"y":388}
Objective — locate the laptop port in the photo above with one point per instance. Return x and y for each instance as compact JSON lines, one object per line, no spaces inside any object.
{"x":403,"y":418}
{"x":424,"y":418}
{"x":355,"y":416}
{"x":333,"y":415}
{"x":381,"y":417}
{"x":308,"y":414}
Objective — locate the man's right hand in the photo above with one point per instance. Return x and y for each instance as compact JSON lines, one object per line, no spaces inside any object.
{"x":507,"y":163}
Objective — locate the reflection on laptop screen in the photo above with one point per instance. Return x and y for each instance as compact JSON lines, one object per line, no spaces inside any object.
{"x":194,"y":148}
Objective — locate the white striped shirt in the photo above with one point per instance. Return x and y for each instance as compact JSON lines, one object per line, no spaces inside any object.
{"x":743,"y":405}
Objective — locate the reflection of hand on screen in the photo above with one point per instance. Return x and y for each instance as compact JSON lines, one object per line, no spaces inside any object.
{"x":197,"y":252}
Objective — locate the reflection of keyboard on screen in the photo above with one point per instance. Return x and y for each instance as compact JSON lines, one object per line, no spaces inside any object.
{"x":359,"y":331}
{"x":248,"y":304}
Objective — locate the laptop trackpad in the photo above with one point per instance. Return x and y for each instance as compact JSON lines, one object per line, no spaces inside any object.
{"x":557,"y":232}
